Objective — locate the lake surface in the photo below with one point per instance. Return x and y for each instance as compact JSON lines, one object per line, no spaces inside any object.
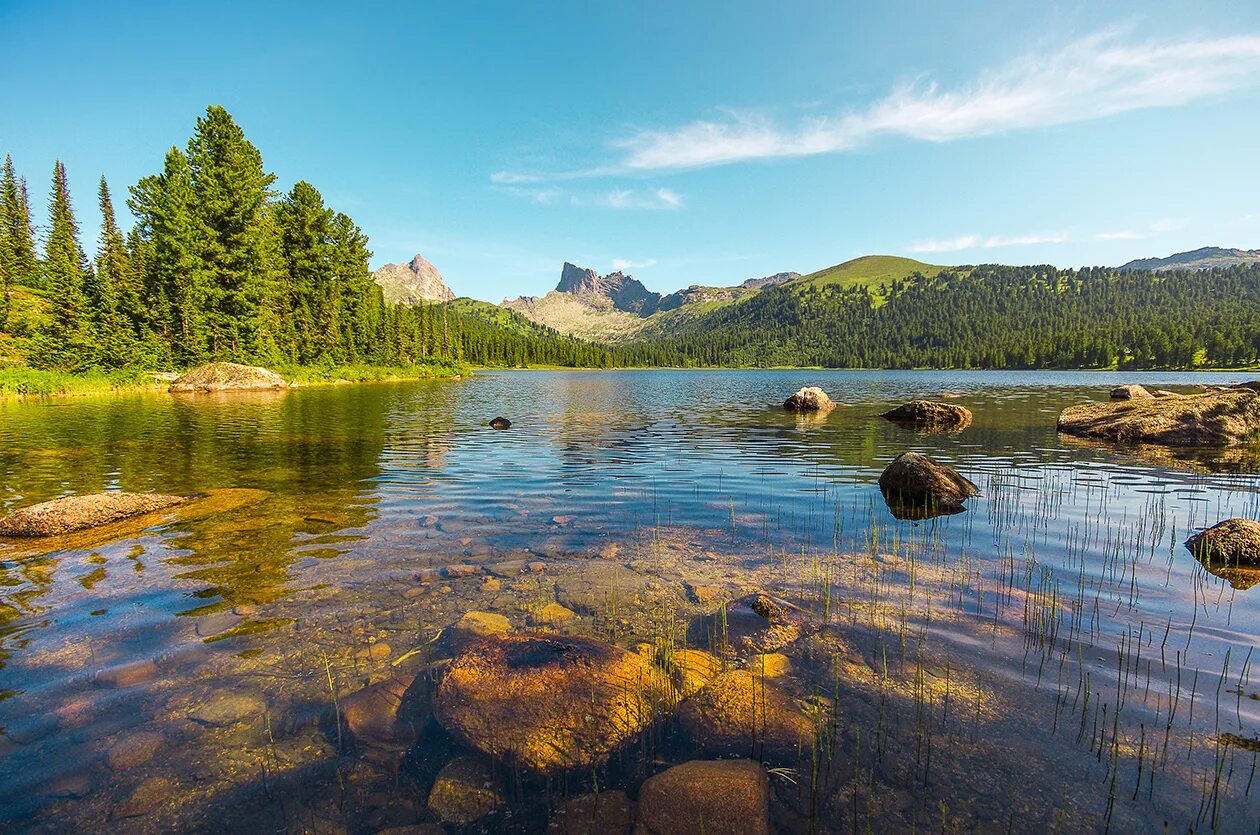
{"x":1053,"y":658}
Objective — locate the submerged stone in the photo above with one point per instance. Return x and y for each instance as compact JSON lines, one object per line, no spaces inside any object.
{"x":915,"y":487}
{"x":74,"y":513}
{"x":691,"y":669}
{"x":227,"y":376}
{"x":809,"y":399}
{"x":127,"y":675}
{"x":752,"y":624}
{"x":465,"y":790}
{"x":134,"y":749}
{"x":546,"y":702}
{"x":716,"y":797}
{"x":606,"y":813}
{"x":473,"y":626}
{"x":229,"y":708}
{"x":378,"y":721}
{"x":744,"y":714}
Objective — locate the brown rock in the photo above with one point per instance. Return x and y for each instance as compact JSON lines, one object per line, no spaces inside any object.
{"x":465,"y":790}
{"x":229,"y":708}
{"x":606,"y":813}
{"x":721,"y":797}
{"x":73,"y":513}
{"x":1235,"y":541}
{"x":927,"y":414}
{"x":701,"y":594}
{"x":227,"y":376}
{"x":752,"y":624}
{"x":915,"y":486}
{"x":473,"y":626}
{"x":133,"y":750}
{"x":1131,"y":393}
{"x":127,"y":675}
{"x":809,"y":399}
{"x":553,"y":614}
{"x":744,"y":714}
{"x":381,"y":728}
{"x":546,"y":703}
{"x":144,"y":798}
{"x":1214,"y":419}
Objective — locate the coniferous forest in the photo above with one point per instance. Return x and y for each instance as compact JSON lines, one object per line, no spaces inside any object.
{"x":219,"y":264}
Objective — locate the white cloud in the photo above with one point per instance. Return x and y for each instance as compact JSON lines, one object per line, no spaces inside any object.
{"x":1090,"y":78}
{"x":624,"y":264}
{"x":964,"y":242}
{"x":628,"y":198}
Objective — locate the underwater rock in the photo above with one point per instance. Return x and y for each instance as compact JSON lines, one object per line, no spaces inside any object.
{"x":1215,"y":419}
{"x":809,"y":399}
{"x":596,"y":585}
{"x":379,"y":721}
{"x":926,"y":414}
{"x":74,"y":513}
{"x":228,"y":708}
{"x":473,"y":626}
{"x":770,"y":665}
{"x":127,"y":675}
{"x":752,"y":624}
{"x":134,"y":749}
{"x":741,"y":713}
{"x":691,"y":669}
{"x":606,"y":813}
{"x":553,"y":614}
{"x":915,"y":486}
{"x":227,"y":376}
{"x":716,"y":797}
{"x":500,"y":423}
{"x":144,"y":798}
{"x":465,"y":790}
{"x":1131,"y":393}
{"x":546,"y":702}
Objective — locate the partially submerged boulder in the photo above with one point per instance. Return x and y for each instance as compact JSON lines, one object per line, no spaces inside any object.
{"x":500,"y":423}
{"x":605,"y":813}
{"x":927,"y":413}
{"x":75,"y":513}
{"x":809,"y":399}
{"x":1214,"y":419}
{"x":917,"y":487}
{"x":742,"y":713}
{"x":1235,"y":541}
{"x":1133,"y":392}
{"x":545,"y":702}
{"x":716,"y":797}
{"x":228,"y":376}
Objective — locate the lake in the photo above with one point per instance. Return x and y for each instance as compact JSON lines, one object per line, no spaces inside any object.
{"x":1053,"y":658}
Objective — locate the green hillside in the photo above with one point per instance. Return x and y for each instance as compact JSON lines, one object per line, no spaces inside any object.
{"x":868,"y":271}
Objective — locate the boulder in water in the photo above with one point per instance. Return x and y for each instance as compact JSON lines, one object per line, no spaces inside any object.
{"x":926,"y":413}
{"x":716,"y":797}
{"x":1133,"y":392}
{"x":500,"y":423}
{"x":753,"y":624}
{"x":465,"y":790}
{"x":916,"y":487}
{"x":545,"y":702}
{"x":382,"y":719}
{"x":228,"y":376}
{"x":74,"y":513}
{"x":809,"y":399}
{"x":1235,"y":541}
{"x":744,"y":714}
{"x":605,"y":813}
{"x":1214,"y":419}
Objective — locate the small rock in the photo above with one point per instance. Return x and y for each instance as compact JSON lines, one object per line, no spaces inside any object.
{"x":473,"y":626}
{"x":1131,"y":393}
{"x":146,"y":797}
{"x":133,"y":750}
{"x":755,"y":623}
{"x":770,"y":665}
{"x":915,"y":487}
{"x":606,"y":813}
{"x":691,"y":669}
{"x":1235,"y":541}
{"x":809,"y":399}
{"x":701,"y":594}
{"x":381,"y":728}
{"x":229,"y":708}
{"x":465,"y":790}
{"x":460,"y":570}
{"x":1167,"y":393}
{"x":716,"y":797}
{"x":500,"y":423}
{"x":536,"y":566}
{"x":491,"y":584}
{"x":743,"y":714}
{"x":74,"y":513}
{"x":553,"y":613}
{"x":926,"y":414}
{"x":127,"y":675}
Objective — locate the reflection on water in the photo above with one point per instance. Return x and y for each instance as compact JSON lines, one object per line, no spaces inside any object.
{"x":187,"y":672}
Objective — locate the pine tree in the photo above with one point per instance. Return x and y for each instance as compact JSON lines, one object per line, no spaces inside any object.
{"x":230,"y":194}
{"x":115,"y":304}
{"x":66,"y":342}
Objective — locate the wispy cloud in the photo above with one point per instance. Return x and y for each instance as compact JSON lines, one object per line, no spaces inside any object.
{"x":1156,"y":227}
{"x":628,"y":198}
{"x":625,"y":264}
{"x":1091,"y":78}
{"x":964,"y":242}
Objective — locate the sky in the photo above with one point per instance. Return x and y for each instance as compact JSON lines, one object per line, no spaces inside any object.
{"x":686,"y":143}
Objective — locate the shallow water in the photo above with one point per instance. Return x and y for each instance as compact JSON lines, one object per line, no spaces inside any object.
{"x":1052,"y":657}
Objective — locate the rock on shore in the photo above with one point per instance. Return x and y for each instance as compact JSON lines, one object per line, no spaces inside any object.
{"x":227,"y":376}
{"x":1215,"y":419}
{"x":75,"y":513}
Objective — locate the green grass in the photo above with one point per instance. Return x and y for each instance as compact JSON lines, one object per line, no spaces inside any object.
{"x":20,"y":381}
{"x":868,"y":271}
{"x":311,"y":375}
{"x":507,"y":319}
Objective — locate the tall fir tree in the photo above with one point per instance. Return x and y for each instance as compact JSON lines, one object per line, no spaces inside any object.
{"x":230,"y":194}
{"x":114,"y":304}
{"x":66,"y":342}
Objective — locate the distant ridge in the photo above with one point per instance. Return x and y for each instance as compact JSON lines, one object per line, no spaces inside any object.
{"x":1204,"y":258}
{"x":412,"y":283}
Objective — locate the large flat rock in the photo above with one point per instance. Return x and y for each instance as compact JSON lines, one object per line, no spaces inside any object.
{"x":1214,"y":419}
{"x":75,"y":513}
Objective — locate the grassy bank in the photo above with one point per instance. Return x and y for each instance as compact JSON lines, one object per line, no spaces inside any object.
{"x":22,"y":381}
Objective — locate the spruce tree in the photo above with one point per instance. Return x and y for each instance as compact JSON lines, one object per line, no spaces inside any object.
{"x":66,"y":341}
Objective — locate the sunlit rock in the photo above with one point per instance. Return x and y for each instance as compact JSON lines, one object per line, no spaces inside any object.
{"x":809,"y":399}
{"x":929,"y":415}
{"x":752,"y":624}
{"x":716,"y":797}
{"x":1132,"y":392}
{"x":546,"y":703}
{"x":1230,"y":550}
{"x":1215,"y":419}
{"x":691,"y":669}
{"x":74,"y":513}
{"x":744,"y":714}
{"x":227,"y":376}
{"x":915,"y":486}
{"x":465,"y":790}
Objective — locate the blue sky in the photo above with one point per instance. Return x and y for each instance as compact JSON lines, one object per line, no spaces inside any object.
{"x":703,"y":142}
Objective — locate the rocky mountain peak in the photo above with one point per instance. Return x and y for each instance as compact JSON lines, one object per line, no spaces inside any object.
{"x":412,"y":283}
{"x":624,"y":291}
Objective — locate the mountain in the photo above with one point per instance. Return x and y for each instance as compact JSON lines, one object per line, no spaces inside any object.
{"x":617,"y":307}
{"x":1204,"y":258}
{"x":412,"y":283}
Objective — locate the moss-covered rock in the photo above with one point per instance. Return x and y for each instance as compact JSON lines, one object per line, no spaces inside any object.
{"x":716,"y":797}
{"x":546,"y":702}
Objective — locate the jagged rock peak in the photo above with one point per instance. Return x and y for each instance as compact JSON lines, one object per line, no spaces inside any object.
{"x":413,"y":282}
{"x":770,"y":280}
{"x":626,"y":292}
